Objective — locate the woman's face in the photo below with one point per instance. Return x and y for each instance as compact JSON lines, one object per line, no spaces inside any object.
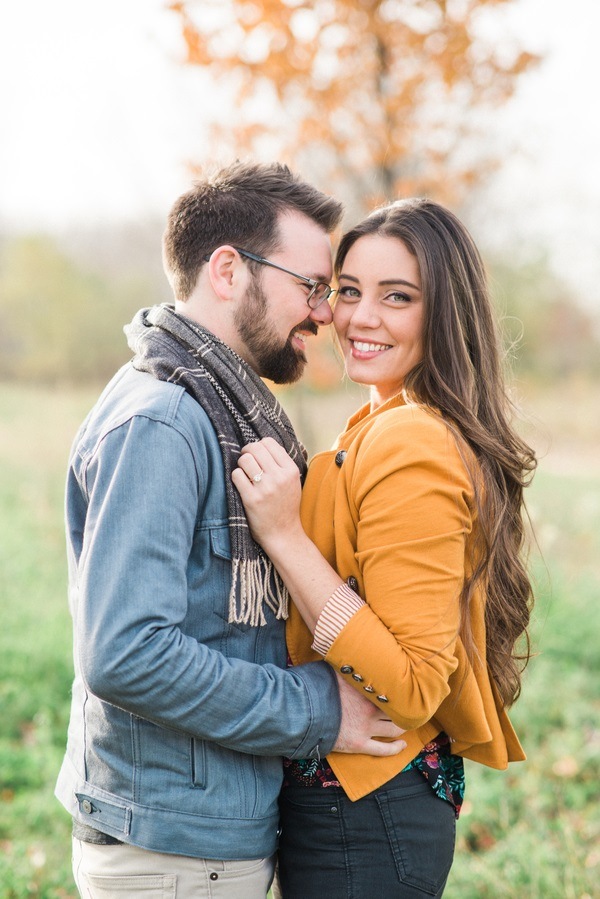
{"x":378,"y":314}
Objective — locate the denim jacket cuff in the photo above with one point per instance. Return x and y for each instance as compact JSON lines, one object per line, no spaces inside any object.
{"x":321,"y":684}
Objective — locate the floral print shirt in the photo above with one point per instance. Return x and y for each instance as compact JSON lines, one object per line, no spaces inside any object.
{"x":442,"y":770}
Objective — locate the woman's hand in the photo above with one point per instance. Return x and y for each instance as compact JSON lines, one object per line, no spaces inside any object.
{"x":268,"y":482}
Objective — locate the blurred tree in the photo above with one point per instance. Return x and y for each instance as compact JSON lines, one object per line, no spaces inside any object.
{"x":371,"y":98}
{"x":549,"y":335}
{"x":60,"y":321}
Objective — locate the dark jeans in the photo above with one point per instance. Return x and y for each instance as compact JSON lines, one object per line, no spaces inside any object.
{"x":396,"y":842}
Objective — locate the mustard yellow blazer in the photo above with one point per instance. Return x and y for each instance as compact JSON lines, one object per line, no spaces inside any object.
{"x":392,"y":506}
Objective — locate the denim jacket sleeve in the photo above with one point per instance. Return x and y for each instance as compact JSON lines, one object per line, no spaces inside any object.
{"x":136,"y":496}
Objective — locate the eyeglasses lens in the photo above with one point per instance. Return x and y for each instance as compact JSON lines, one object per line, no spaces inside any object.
{"x":318,"y":294}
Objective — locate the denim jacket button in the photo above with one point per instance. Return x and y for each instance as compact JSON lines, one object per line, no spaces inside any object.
{"x":87,"y":806}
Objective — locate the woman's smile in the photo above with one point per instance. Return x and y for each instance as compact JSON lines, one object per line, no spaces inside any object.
{"x":361,"y":349}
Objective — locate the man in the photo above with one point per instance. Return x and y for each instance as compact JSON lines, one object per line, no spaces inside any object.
{"x":182,"y":704}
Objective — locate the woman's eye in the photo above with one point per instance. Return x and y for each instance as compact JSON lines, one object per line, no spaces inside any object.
{"x":348,"y":294}
{"x":396,"y":298}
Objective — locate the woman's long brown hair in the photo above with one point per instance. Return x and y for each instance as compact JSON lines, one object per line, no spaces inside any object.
{"x":461,"y":376}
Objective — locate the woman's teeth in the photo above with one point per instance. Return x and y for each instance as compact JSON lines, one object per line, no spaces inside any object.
{"x":369,"y":347}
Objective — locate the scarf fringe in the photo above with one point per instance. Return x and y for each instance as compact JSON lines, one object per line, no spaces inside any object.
{"x":255,"y":582}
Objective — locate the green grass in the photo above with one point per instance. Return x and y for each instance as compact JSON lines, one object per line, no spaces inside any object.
{"x":534,"y":830}
{"x":530,"y":832}
{"x":35,"y":640}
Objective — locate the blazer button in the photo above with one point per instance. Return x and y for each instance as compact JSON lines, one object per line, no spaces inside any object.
{"x":358,"y":677}
{"x":352,"y":583}
{"x":339,"y":457}
{"x":383,"y":698}
{"x":346,"y":669}
{"x":369,"y":689}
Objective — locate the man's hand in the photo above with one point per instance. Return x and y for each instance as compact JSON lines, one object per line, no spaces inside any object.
{"x":361,"y":722}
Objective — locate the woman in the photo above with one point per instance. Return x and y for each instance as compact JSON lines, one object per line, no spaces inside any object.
{"x":405,"y":567}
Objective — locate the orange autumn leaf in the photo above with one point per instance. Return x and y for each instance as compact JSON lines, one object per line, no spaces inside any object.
{"x":375,"y":96}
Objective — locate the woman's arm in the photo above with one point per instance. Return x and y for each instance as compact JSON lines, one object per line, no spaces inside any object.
{"x":273,"y":509}
{"x":411,"y":496}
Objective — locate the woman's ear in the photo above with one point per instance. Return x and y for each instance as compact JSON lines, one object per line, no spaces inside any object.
{"x":227,"y":273}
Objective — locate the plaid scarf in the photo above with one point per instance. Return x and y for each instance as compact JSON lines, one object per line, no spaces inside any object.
{"x":242,"y":410}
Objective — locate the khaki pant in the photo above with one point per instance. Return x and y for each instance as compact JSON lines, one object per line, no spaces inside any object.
{"x":127,"y":872}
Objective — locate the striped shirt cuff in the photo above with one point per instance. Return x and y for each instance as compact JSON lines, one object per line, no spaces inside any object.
{"x":337,"y":612}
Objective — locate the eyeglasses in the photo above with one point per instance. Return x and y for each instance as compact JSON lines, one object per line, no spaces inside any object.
{"x":319,"y":290}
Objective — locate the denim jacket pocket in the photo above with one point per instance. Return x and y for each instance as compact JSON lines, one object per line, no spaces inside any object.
{"x":209,"y":583}
{"x":220,"y":547}
{"x":198,"y":763}
{"x":220,"y":543}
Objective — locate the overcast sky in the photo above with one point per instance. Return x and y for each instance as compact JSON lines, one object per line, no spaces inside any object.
{"x":97,"y":121}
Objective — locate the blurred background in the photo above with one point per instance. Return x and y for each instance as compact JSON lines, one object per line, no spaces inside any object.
{"x":107,"y":112}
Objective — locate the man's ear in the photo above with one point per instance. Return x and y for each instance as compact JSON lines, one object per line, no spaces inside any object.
{"x":227,"y":273}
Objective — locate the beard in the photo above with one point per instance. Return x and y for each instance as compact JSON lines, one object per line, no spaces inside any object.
{"x":278,"y":361}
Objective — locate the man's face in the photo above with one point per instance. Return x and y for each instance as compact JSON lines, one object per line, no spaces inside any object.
{"x":275,"y":320}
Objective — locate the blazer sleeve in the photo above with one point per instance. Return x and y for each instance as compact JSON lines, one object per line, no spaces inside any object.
{"x":411,"y":498}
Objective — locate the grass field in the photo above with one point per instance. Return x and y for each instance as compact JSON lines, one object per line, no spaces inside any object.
{"x":531,"y":832}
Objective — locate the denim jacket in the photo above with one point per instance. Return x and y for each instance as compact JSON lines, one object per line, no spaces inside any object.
{"x":179,"y":719}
